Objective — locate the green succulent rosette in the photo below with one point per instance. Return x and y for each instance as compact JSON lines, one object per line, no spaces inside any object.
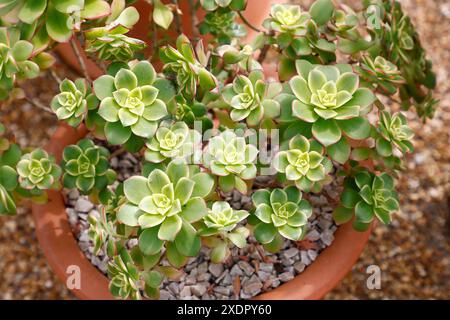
{"x":59,"y":18}
{"x":381,"y":74}
{"x":345,"y":20}
{"x":174,"y":141}
{"x":222,"y":25}
{"x":330,"y":98}
{"x":129,"y":103}
{"x":232,"y":159}
{"x":190,"y":112}
{"x":287,"y":18}
{"x":367,"y":196}
{"x":190,"y":73}
{"x":166,"y":201}
{"x":212,"y":5}
{"x":110,"y":43}
{"x":304,"y":163}
{"x":86,"y":167}
{"x":220,"y":230}
{"x":251,"y":98}
{"x":38,"y":171}
{"x":73,"y":102}
{"x":280,"y":211}
{"x":124,"y":277}
{"x":394,"y":133}
{"x":222,"y":218}
{"x":15,"y":60}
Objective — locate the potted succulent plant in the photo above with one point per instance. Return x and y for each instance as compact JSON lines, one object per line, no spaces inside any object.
{"x":211,"y":176}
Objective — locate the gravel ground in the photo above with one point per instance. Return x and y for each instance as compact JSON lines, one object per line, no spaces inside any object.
{"x":413,"y":253}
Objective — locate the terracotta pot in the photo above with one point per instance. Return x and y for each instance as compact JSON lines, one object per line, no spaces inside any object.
{"x":62,"y":251}
{"x":255,"y":13}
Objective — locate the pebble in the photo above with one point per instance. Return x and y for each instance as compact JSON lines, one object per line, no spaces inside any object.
{"x":286,"y":276}
{"x":83,"y":205}
{"x":246,"y":267}
{"x":299,"y":266}
{"x":216,"y":269}
{"x":185,"y":292}
{"x":290,"y":253}
{"x":252,"y":286}
{"x":199,"y":289}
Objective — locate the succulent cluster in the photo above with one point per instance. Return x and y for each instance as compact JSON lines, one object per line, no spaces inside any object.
{"x":280,"y":212}
{"x":213,"y":120}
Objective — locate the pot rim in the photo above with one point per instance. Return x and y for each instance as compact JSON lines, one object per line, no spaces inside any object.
{"x":67,"y":260}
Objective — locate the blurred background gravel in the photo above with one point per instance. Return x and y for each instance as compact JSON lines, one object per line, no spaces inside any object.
{"x":413,"y":253}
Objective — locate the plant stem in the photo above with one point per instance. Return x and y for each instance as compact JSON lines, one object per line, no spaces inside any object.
{"x":39,"y":105}
{"x":55,"y":77}
{"x":244,"y":20}
{"x":177,"y":17}
{"x":80,"y":59}
{"x":194,"y":19}
{"x":263,"y":54}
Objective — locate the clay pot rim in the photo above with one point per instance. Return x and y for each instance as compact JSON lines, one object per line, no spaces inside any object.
{"x":65,"y":257}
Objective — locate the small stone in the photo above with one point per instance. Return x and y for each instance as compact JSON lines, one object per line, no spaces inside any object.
{"x":327,"y":237}
{"x":83,"y":205}
{"x":236,"y":271}
{"x":305,"y":258}
{"x":202,"y":268}
{"x":263,"y":275}
{"x":291,"y":252}
{"x":204,"y":276}
{"x":73,"y":194}
{"x":174,"y":288}
{"x":286,"y":276}
{"x":185,"y":293}
{"x":299,"y":266}
{"x":190,"y":279}
{"x":73,"y":216}
{"x":199,"y":289}
{"x":164,"y":295}
{"x":312,"y":254}
{"x":215,"y":269}
{"x":246,"y":267}
{"x":267,"y":267}
{"x":252,"y":286}
{"x":226,"y":291}
{"x":313,"y":235}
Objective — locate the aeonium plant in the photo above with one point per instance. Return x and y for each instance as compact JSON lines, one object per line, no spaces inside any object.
{"x":207,"y":120}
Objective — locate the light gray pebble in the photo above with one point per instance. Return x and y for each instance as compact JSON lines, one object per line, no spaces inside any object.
{"x":305,"y":258}
{"x":246,"y":267}
{"x":236,"y":271}
{"x":312,"y":254}
{"x":165,"y":295}
{"x":290,"y":253}
{"x":199,"y":289}
{"x":327,"y":238}
{"x":174,"y":288}
{"x":299,"y":266}
{"x":313,"y":235}
{"x":286,"y":276}
{"x":216,"y":269}
{"x":267,"y":267}
{"x":73,"y":194}
{"x":204,"y":276}
{"x":83,"y":205}
{"x":264,"y":276}
{"x":185,"y":293}
{"x":252,"y":286}
{"x":226,"y":291}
